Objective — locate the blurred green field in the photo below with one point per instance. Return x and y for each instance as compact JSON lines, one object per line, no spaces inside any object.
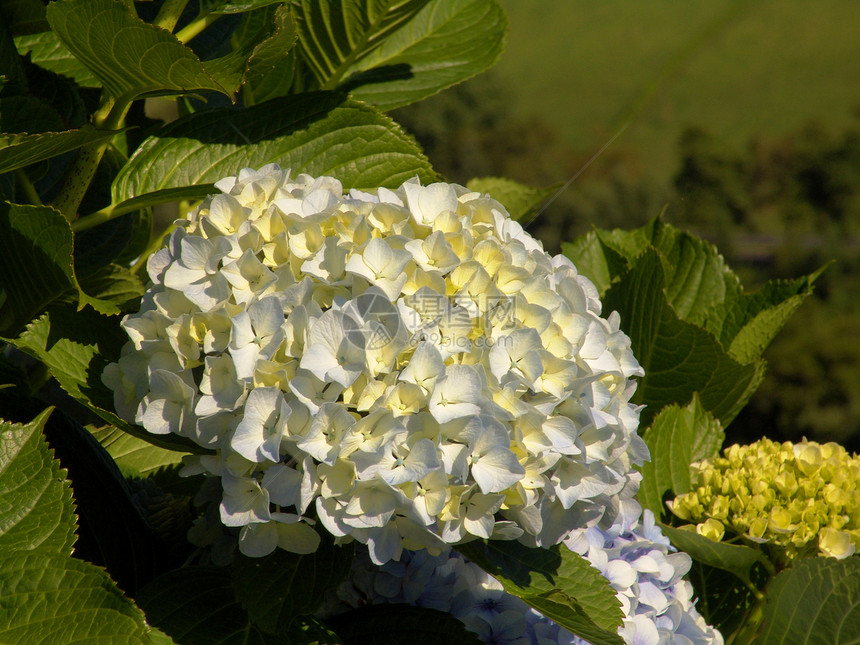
{"x":735,"y":67}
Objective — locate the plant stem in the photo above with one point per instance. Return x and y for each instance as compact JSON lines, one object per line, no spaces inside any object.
{"x":192,"y":29}
{"x":748,"y":630}
{"x":108,"y":117}
{"x":28,"y":187}
{"x":169,"y":13}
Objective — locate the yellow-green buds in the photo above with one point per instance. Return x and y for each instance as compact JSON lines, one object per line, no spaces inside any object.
{"x":800,"y":498}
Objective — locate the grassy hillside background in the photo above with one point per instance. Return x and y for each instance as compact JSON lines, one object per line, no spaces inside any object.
{"x":741,"y":125}
{"x":739,"y":67}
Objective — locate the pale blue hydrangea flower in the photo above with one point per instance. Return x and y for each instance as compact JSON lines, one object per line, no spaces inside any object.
{"x":632,"y":553}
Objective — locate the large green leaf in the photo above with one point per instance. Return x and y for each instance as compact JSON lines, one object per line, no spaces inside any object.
{"x":398,"y":623}
{"x":36,"y":510}
{"x":19,"y":150}
{"x":130,"y":57}
{"x":679,"y":358}
{"x":677,"y":437}
{"x":817,"y":601}
{"x":317,"y":133}
{"x":698,"y":285}
{"x":447,"y":42}
{"x":335,"y":34}
{"x":51,"y":598}
{"x":736,"y":558}
{"x":76,"y":347}
{"x":278,"y":588}
{"x":196,"y":606}
{"x":46,"y":50}
{"x":521,"y":201}
{"x":556,"y":582}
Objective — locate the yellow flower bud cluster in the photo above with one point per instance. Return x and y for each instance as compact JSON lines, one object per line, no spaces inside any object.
{"x":801,"y":498}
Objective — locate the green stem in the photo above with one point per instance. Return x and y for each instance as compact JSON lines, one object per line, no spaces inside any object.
{"x":748,"y":631}
{"x":28,"y":187}
{"x":108,"y":117}
{"x":169,"y":13}
{"x":192,"y":29}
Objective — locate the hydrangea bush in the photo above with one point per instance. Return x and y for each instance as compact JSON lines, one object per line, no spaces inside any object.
{"x":375,"y":370}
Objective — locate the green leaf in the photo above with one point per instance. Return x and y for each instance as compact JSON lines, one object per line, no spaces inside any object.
{"x":195,"y":605}
{"x":222,"y":6}
{"x":47,"y":51}
{"x":522,"y":201}
{"x":678,"y":357}
{"x":39,"y":237}
{"x":272,"y":63}
{"x":282,"y":586}
{"x":23,"y":16}
{"x":595,"y":260}
{"x":114,"y":284}
{"x":130,"y":57}
{"x":317,"y":133}
{"x":335,"y":34}
{"x":555,"y":580}
{"x":817,"y":601}
{"x":677,"y":437}
{"x":736,"y":558}
{"x":36,"y":510}
{"x":19,"y":150}
{"x":447,"y":42}
{"x":135,"y":457}
{"x":747,"y":323}
{"x":398,"y":623}
{"x":76,"y":347}
{"x":51,"y":598}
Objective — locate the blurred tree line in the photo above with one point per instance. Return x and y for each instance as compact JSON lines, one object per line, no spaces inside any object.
{"x":780,"y":207}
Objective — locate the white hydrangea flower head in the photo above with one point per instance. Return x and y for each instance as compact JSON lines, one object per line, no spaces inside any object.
{"x":407,"y":367}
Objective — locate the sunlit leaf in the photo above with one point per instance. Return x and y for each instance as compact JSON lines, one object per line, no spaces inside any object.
{"x":130,"y":57}
{"x":51,"y":598}
{"x":817,"y":601}
{"x":735,"y":558}
{"x":317,"y":133}
{"x":556,"y":581}
{"x":521,"y":201}
{"x":36,"y":510}
{"x":677,"y":437}
{"x":19,"y":150}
